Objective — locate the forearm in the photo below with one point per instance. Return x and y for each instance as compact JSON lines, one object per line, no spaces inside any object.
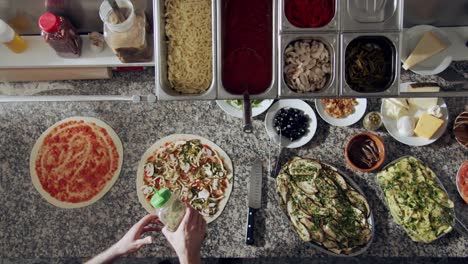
{"x":105,"y":257}
{"x":190,"y":259}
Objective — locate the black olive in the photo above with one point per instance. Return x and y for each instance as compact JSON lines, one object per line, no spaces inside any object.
{"x":291,"y":123}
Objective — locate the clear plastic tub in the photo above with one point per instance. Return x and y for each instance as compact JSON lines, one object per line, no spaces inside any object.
{"x":128,"y":39}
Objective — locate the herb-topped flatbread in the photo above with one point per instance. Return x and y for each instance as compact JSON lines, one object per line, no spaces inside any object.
{"x":194,"y":168}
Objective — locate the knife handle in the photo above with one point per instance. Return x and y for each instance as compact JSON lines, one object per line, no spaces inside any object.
{"x":249,"y":240}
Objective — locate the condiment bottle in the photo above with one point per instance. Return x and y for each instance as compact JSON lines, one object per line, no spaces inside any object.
{"x":11,"y":39}
{"x":60,"y":34}
{"x":169,"y":208}
{"x":128,"y":38}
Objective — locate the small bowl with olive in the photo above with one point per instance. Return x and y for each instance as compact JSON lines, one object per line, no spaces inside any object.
{"x":291,"y":123}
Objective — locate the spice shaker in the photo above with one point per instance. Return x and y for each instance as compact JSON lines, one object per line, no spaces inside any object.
{"x":169,"y":208}
{"x":60,"y":34}
{"x":128,"y":38}
{"x":11,"y":39}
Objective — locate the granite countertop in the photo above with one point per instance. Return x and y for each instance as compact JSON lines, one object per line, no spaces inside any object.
{"x":32,"y":229}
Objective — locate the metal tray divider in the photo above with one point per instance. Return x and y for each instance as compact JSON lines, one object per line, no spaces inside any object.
{"x":273,"y":91}
{"x":332,"y":41}
{"x":329,"y":34}
{"x":163,"y":89}
{"x":394,"y":88}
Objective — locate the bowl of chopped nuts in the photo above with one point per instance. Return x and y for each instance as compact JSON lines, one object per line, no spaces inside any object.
{"x":341,"y":112}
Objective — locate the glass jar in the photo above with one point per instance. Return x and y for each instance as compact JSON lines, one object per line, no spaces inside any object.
{"x":372,"y":121}
{"x":61,"y":35}
{"x":128,"y":39}
{"x":169,"y":208}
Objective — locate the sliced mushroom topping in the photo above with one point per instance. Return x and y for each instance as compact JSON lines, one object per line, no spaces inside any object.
{"x":307,"y":67}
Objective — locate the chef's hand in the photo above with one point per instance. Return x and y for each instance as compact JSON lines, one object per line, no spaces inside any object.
{"x":131,"y":241}
{"x":188,"y":238}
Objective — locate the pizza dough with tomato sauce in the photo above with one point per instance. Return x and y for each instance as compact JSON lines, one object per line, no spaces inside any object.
{"x":76,"y":161}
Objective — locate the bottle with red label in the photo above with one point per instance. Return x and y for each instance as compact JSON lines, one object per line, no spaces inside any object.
{"x":60,"y":34}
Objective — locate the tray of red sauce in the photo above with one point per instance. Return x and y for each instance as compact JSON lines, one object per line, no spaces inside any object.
{"x":247,"y":56}
{"x":462,"y":181}
{"x":309,"y":15}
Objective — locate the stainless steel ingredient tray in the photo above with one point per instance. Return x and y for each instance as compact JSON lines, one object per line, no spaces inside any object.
{"x":164,"y":90}
{"x":272,"y":91}
{"x":371,"y":15}
{"x":393,"y":88}
{"x":331,"y":41}
{"x":286,"y":26}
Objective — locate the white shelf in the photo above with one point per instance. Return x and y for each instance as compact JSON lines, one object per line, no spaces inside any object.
{"x":40,"y":55}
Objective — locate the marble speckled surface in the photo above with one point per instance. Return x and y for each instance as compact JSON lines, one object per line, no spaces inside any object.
{"x":33,"y":231}
{"x":31,"y":228}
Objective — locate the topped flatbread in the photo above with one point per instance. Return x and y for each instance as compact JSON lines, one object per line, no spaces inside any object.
{"x":192,"y":167}
{"x":76,"y":161}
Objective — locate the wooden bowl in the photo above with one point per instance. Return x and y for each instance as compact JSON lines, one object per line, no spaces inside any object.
{"x":379,"y":144}
{"x":460,"y":129}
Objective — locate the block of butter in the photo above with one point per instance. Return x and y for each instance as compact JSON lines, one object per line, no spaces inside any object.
{"x":428,"y":46}
{"x":427,"y":126}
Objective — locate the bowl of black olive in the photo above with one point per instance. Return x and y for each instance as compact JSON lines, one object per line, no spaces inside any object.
{"x":291,"y":123}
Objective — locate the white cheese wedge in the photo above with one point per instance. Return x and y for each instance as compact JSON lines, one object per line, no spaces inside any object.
{"x":422,"y":103}
{"x":396,"y":108}
{"x":399,"y":102}
{"x":428,"y":46}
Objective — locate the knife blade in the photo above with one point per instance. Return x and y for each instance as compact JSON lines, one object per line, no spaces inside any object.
{"x":461,"y":86}
{"x":255,"y":199}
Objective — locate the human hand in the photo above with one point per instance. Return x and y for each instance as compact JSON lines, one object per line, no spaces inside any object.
{"x":132,"y":240}
{"x":188,"y":238}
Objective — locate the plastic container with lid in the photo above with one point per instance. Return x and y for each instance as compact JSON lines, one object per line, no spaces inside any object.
{"x":11,"y":39}
{"x":128,"y":38}
{"x":61,"y":35}
{"x":169,"y":208}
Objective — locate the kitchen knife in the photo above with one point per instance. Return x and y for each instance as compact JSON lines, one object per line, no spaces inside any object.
{"x":462,"y":86}
{"x":255,"y":199}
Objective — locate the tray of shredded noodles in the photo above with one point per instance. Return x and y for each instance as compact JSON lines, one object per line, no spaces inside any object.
{"x":185,"y":49}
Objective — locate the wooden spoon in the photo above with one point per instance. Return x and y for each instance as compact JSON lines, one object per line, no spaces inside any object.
{"x":118,"y":12}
